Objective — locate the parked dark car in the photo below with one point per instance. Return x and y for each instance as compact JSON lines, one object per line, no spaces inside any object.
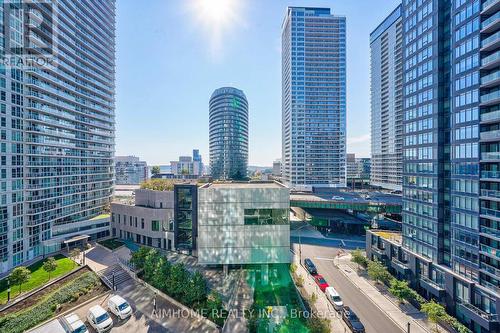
{"x":352,"y":320}
{"x":310,"y":266}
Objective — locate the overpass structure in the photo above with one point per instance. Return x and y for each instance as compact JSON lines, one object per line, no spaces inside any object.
{"x":353,"y":203}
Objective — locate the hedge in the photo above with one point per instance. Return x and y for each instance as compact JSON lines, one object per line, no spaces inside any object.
{"x":23,"y":320}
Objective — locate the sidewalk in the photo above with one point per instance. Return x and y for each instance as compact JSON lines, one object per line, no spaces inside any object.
{"x":417,"y":319}
{"x":322,"y":304}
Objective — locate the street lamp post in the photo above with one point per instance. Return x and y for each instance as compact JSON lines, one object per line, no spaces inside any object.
{"x":154,"y":302}
{"x":8,"y":290}
{"x":408,"y":327}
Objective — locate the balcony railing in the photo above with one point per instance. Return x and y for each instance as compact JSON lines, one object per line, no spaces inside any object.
{"x":490,"y":250}
{"x":490,"y":212}
{"x":490,"y":269}
{"x":490,"y":135}
{"x":436,"y":285}
{"x":490,"y":155}
{"x":490,"y":40}
{"x":490,"y":193}
{"x":490,"y":174}
{"x":483,"y":314}
{"x":490,"y":20}
{"x":490,"y":231}
{"x":490,"y":59}
{"x":490,"y":77}
{"x":489,"y":116}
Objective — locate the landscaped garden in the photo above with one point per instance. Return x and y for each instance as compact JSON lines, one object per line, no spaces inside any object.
{"x":111,"y":243}
{"x":177,"y":282}
{"x":37,"y":277}
{"x":278,"y":291}
{"x":56,"y":298}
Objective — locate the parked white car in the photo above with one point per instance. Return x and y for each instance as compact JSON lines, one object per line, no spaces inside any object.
{"x":99,"y":319}
{"x":334,"y":298}
{"x":119,"y":306}
{"x":73,"y":324}
{"x":337,"y":198}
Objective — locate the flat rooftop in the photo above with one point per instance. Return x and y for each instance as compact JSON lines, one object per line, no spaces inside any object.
{"x":244,"y":185}
{"x":389,"y":235}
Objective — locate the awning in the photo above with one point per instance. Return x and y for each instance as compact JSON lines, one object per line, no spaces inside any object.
{"x":76,"y":238}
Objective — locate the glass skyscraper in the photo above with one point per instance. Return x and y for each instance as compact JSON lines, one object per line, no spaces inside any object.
{"x":56,"y":125}
{"x":386,"y":102}
{"x":228,"y":132}
{"x":313,"y":98}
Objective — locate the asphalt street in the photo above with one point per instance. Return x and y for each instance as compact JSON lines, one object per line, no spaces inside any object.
{"x":374,"y":319}
{"x":329,"y":242}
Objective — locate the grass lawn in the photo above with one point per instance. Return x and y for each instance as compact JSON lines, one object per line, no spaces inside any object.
{"x":112,"y":243}
{"x":38,"y":277}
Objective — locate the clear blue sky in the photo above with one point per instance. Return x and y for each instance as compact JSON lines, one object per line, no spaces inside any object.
{"x":172,"y":54}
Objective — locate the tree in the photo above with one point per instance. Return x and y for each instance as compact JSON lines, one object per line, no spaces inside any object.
{"x":50,"y":265}
{"x":358,"y":258}
{"x":139,"y":257}
{"x":176,"y":281}
{"x":155,"y":170}
{"x":400,"y":290}
{"x":196,"y":291}
{"x":378,"y":272}
{"x":215,"y":306}
{"x":435,"y":312}
{"x":74,"y":254}
{"x":19,"y":276}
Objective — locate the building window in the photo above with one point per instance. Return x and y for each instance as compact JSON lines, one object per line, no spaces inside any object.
{"x":266,"y":216}
{"x":155,"y":225}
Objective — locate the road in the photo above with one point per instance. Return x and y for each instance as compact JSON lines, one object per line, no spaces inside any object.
{"x":329,"y":242}
{"x":371,"y":316}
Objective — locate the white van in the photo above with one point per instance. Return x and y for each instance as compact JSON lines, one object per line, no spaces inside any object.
{"x":334,"y":298}
{"x":119,"y":307}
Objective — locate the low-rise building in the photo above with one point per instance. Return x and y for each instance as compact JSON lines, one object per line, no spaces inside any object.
{"x":187,"y":165}
{"x":150,"y":221}
{"x":229,"y":223}
{"x":130,"y":170}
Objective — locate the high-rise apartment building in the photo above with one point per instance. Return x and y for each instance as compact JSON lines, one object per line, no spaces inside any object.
{"x":451,"y":217}
{"x":130,"y":170}
{"x":313,"y":98}
{"x":56,"y":125}
{"x":228,"y":134}
{"x":386,"y":102}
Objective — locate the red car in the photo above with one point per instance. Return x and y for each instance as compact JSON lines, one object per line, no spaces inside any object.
{"x":321,"y":282}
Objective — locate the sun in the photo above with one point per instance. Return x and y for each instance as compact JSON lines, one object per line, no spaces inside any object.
{"x":216,"y":11}
{"x":216,"y":20}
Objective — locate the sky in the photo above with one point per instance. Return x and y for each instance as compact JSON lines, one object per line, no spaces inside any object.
{"x":172,"y":54}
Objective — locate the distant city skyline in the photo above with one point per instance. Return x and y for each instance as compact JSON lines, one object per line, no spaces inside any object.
{"x":243,"y":51}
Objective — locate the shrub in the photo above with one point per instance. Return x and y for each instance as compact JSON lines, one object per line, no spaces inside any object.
{"x":300,"y":281}
{"x":293,"y":268}
{"x":434,"y":311}
{"x":400,"y":290}
{"x":358,"y":257}
{"x":23,"y":320}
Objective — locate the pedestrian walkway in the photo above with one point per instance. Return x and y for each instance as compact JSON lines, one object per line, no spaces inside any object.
{"x":417,"y":320}
{"x":322,"y":305}
{"x":241,"y":301}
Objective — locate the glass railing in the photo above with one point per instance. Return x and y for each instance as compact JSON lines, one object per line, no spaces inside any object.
{"x":490,"y":193}
{"x":490,"y":77}
{"x":490,"y":20}
{"x":493,"y":38}
{"x":478,"y":311}
{"x":490,"y":250}
{"x":490,"y":231}
{"x":491,"y":96}
{"x":490,"y":135}
{"x":488,"y":116}
{"x":490,"y":212}
{"x":431,"y":282}
{"x":490,"y":156}
{"x":491,"y":58}
{"x":491,"y":286}
{"x":488,"y":3}
{"x":490,"y":174}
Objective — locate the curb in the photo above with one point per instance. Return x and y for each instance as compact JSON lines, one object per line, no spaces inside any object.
{"x":361,"y":290}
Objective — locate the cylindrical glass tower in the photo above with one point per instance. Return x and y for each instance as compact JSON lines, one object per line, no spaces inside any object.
{"x":228,"y":134}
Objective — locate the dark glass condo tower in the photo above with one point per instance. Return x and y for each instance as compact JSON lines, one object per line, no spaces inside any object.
{"x":451,"y":206}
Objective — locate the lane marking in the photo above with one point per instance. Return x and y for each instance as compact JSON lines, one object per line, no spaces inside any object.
{"x":321,"y":258}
